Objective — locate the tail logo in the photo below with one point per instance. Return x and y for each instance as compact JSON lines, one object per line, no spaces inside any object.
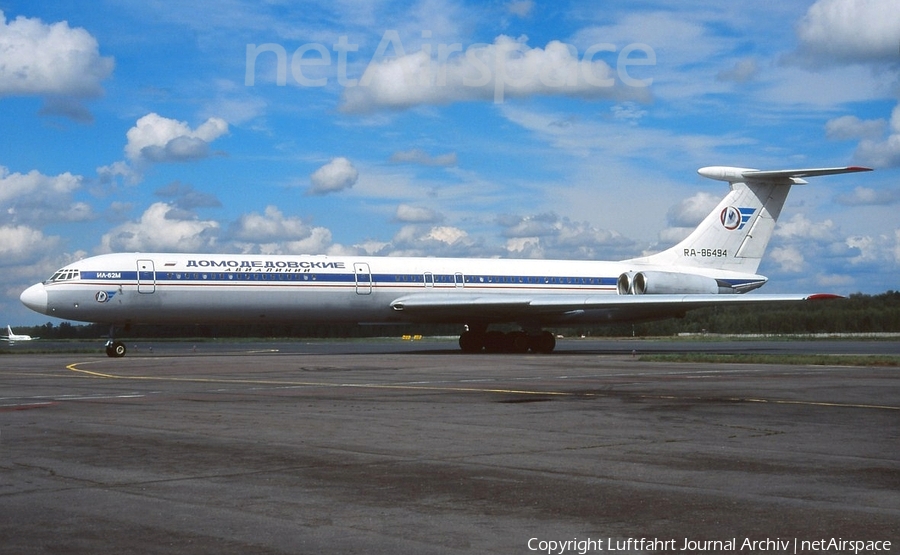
{"x":735,"y":218}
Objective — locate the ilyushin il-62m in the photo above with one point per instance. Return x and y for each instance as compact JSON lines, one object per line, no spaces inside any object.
{"x":714,"y":266}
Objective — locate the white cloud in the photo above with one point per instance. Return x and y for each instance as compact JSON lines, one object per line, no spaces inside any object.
{"x":788,"y":259}
{"x":186,"y":197}
{"x":506,"y":68}
{"x":51,"y":60}
{"x":35,"y":185}
{"x":628,"y":112}
{"x":446,"y":234}
{"x":884,"y":153}
{"x":336,"y":175}
{"x":744,"y":70}
{"x":810,"y":254}
{"x":417,"y":156}
{"x":585,"y":241}
{"x":691,"y":211}
{"x":668,"y":237}
{"x":834,"y":280}
{"x":22,"y":244}
{"x":896,"y":250}
{"x":234,"y":103}
{"x":682,"y":36}
{"x":69,"y":107}
{"x":866,"y":246}
{"x":525,"y":247}
{"x":841,"y":31}
{"x":417,"y":214}
{"x":111,"y":173}
{"x":877,"y":251}
{"x":271,"y":226}
{"x":161,"y":228}
{"x":520,"y":8}
{"x":866,"y":196}
{"x":35,"y":197}
{"x":317,"y":241}
{"x":550,"y":236}
{"x":801,"y":227}
{"x":683,"y":218}
{"x":372,"y":247}
{"x":614,"y":142}
{"x":851,"y":127}
{"x":823,"y":88}
{"x":595,"y":159}
{"x":427,"y":240}
{"x":158,"y":139}
{"x":77,"y":212}
{"x":536,"y":225}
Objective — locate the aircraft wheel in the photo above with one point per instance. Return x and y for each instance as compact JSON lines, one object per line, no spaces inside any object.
{"x":543,"y":343}
{"x":116,"y":349}
{"x":471,"y":342}
{"x":517,"y":342}
{"x":495,"y":342}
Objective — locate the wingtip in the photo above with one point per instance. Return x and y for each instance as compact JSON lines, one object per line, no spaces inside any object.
{"x":824,"y":296}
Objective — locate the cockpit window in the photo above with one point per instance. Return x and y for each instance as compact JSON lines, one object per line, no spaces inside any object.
{"x":63,"y":275}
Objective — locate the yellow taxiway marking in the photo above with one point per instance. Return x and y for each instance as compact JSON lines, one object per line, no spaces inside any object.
{"x":74,"y":368}
{"x":817,"y":403}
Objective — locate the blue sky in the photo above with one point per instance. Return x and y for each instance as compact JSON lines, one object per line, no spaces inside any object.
{"x":512,"y":128}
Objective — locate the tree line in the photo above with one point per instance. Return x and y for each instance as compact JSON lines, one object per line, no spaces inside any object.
{"x":858,"y":313}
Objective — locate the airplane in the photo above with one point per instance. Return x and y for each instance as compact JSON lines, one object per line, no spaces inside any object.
{"x":13,"y":337}
{"x":713,"y":266}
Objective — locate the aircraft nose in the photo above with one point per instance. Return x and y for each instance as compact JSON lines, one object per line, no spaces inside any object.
{"x":35,"y":298}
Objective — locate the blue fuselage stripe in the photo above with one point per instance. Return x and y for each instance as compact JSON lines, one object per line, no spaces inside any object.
{"x":174,"y":277}
{"x":440,"y":280}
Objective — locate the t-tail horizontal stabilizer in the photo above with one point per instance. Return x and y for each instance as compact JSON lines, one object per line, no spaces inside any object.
{"x":735,"y":234}
{"x":735,"y":175}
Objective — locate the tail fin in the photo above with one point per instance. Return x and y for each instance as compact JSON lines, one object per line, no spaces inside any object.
{"x":735,"y":234}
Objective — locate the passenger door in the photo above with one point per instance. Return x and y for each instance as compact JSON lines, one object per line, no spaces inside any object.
{"x":363,"y":278}
{"x":146,"y":276}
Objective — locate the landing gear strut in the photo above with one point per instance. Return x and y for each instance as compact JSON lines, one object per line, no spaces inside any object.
{"x":476,"y":339}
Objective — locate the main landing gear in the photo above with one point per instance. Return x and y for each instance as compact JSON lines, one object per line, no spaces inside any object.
{"x":477,"y":339}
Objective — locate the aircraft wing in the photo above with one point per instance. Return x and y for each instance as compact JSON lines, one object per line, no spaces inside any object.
{"x":488,"y":307}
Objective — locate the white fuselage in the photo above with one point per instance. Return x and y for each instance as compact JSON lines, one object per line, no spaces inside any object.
{"x":210,"y":288}
{"x":707,"y":268}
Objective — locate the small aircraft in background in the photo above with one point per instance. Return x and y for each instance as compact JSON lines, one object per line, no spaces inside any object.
{"x":13,"y":337}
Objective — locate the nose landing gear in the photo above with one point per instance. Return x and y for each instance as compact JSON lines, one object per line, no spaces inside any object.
{"x":114,"y":349}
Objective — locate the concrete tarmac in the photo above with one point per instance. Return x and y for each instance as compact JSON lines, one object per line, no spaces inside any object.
{"x":438,"y":452}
